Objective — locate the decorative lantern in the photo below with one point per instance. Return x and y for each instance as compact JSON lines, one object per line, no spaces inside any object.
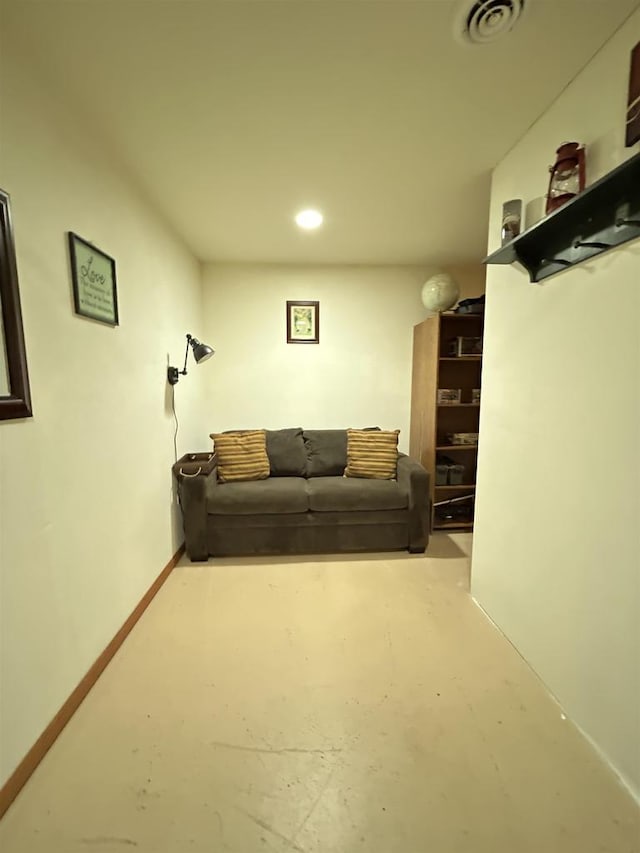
{"x":567,"y":175}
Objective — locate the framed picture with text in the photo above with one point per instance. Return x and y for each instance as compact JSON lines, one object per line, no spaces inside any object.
{"x":303,"y":322}
{"x":94,"y":281}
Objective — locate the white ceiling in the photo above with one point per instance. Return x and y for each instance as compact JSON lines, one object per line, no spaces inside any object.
{"x":233,"y":115}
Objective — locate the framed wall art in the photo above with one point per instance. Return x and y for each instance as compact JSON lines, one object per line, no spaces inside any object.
{"x":633,"y":104}
{"x":15,"y":394}
{"x":94,"y":281}
{"x":303,"y":322}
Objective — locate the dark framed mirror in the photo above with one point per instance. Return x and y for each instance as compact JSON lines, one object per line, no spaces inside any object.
{"x":15,"y":395}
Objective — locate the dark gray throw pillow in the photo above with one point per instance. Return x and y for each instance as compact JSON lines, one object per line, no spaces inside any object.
{"x":286,"y":452}
{"x":326,"y":452}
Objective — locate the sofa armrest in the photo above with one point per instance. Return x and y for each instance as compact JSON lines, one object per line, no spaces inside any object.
{"x":195,"y":484}
{"x":413,"y":479}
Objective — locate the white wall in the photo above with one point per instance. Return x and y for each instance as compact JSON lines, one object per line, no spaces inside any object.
{"x":556,"y":557}
{"x":87,"y":518}
{"x":360,"y":373}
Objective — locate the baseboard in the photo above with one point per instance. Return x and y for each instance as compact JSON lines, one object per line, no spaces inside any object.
{"x":23,"y":771}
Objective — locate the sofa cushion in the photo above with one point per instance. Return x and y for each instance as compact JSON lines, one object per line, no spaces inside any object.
{"x":372,"y":454}
{"x":241,"y":455}
{"x":338,"y":494}
{"x":265,"y":497}
{"x":326,"y":452}
{"x":286,"y":452}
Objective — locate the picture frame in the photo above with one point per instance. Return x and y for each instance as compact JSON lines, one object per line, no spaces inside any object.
{"x":93,"y":274}
{"x":15,"y":392}
{"x":303,"y":322}
{"x":632,"y":134}
{"x":449,"y":396}
{"x":462,"y":347}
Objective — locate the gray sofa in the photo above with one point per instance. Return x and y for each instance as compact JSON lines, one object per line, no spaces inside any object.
{"x":305,"y":506}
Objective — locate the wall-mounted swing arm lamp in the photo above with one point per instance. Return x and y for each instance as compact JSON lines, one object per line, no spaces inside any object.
{"x":201,"y":352}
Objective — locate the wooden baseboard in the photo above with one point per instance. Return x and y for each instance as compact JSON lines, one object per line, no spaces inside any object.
{"x":23,"y":771}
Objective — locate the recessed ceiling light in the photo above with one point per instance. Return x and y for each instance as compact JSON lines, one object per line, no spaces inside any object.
{"x":309,"y":219}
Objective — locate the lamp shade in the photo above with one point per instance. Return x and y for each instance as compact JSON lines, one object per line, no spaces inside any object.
{"x":201,"y":352}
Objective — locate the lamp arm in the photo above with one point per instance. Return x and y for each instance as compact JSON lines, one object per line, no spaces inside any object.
{"x":186,"y":353}
{"x":173,"y":374}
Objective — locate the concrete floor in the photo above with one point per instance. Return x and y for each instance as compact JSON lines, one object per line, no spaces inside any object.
{"x":356,"y":705}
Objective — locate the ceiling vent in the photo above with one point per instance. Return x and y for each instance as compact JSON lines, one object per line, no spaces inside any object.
{"x":486,"y":21}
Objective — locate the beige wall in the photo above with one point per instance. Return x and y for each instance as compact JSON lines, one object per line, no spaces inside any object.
{"x":556,"y":557}
{"x":471,"y":279}
{"x":87,"y":516}
{"x":359,"y":374}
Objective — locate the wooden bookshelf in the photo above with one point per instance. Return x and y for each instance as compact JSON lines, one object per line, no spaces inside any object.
{"x":435,"y":367}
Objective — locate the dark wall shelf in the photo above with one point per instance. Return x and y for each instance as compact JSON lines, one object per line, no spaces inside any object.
{"x":603,"y":216}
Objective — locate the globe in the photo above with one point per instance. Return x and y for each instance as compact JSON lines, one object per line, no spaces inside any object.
{"x":440,"y":293}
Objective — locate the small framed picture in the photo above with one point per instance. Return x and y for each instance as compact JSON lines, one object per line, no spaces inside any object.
{"x":449,"y":396}
{"x":94,"y":281}
{"x":468,"y":346}
{"x":303,"y":322}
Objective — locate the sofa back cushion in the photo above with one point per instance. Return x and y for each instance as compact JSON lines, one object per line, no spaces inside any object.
{"x":326,"y":452}
{"x":286,"y":452}
{"x":241,"y":455}
{"x":372,"y":454}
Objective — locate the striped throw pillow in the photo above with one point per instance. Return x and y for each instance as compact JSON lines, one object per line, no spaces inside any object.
{"x":372,"y":454}
{"x":241,"y":455}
